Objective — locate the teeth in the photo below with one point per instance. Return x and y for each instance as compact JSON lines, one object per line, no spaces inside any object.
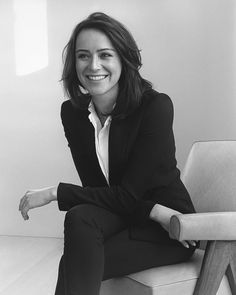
{"x":96,"y":78}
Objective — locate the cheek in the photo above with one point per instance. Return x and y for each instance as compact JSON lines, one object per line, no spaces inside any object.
{"x":79,"y":71}
{"x":119,"y":68}
{"x":118,"y":71}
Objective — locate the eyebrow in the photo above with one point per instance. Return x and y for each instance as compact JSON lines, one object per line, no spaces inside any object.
{"x":99,"y":50}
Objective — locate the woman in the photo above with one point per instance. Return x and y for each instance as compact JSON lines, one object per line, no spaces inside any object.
{"x":119,"y":131}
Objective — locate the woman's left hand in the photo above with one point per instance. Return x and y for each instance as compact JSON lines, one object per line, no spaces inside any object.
{"x":162,"y":215}
{"x":36,"y":198}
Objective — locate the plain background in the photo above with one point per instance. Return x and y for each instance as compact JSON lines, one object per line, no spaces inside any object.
{"x":188,"y":51}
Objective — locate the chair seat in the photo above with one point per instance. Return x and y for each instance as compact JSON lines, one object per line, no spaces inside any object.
{"x":172,"y":279}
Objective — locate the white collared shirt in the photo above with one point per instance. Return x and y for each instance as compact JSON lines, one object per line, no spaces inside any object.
{"x":101,"y":139}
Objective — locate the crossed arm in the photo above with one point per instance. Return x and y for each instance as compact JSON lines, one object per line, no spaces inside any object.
{"x":40,"y":197}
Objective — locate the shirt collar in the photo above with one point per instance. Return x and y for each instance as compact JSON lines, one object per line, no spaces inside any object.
{"x":93,"y":114}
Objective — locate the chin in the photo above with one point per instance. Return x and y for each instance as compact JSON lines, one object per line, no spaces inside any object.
{"x":94,"y":92}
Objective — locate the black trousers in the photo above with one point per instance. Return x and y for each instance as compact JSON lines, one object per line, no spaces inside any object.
{"x":97,"y":247}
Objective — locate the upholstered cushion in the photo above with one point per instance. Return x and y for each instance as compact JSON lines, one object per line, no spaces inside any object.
{"x":166,"y":280}
{"x":209,"y":175}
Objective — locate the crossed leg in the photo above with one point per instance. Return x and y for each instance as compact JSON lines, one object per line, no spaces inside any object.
{"x":97,"y":247}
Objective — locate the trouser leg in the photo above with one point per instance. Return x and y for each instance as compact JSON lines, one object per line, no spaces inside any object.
{"x":60,"y":286}
{"x":123,"y":256}
{"x":86,"y":228}
{"x":97,"y":247}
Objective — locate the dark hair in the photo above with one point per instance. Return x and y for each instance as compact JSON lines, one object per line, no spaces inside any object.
{"x":131,"y":84}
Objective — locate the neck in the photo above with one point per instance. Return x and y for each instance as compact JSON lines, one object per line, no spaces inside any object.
{"x":104,"y":103}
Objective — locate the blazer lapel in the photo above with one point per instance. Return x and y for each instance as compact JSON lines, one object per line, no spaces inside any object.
{"x":86,"y":150}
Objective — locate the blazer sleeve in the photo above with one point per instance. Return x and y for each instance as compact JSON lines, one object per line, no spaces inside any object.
{"x":151,"y":164}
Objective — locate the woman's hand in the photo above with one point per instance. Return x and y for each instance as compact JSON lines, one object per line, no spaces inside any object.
{"x":36,"y":198}
{"x":162,"y":215}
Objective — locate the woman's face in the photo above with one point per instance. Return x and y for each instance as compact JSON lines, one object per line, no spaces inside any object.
{"x":98,"y":65}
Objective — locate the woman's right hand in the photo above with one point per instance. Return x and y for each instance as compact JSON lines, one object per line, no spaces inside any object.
{"x":36,"y":198}
{"x":162,"y":215}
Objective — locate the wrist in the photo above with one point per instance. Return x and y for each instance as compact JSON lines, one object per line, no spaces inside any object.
{"x":54,"y":193}
{"x":161,"y":214}
{"x":154,"y":212}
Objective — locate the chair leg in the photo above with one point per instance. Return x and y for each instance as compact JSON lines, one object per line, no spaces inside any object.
{"x":214,"y":265}
{"x":231,"y":269}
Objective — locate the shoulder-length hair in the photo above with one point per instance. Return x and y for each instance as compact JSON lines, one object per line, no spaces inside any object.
{"x":131,"y":84}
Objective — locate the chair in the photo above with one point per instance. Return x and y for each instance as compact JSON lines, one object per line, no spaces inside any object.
{"x":210,"y":177}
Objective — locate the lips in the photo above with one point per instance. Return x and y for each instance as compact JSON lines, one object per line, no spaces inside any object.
{"x":96,"y":77}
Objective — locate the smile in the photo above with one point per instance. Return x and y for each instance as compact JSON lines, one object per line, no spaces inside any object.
{"x":96,"y":77}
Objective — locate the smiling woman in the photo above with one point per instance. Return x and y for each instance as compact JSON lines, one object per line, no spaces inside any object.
{"x":119,"y":130}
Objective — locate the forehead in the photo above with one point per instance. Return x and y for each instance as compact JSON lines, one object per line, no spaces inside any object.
{"x":90,"y":39}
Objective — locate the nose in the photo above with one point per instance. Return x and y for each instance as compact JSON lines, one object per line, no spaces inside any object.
{"x":95,"y":63}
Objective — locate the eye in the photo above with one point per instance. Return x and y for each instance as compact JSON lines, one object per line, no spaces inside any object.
{"x":105,"y":55}
{"x":82,"y":56}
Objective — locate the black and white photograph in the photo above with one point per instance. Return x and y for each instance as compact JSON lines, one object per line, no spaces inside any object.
{"x":118,"y":147}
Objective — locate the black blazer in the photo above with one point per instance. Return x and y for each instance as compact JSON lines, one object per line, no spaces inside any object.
{"x":142,"y":166}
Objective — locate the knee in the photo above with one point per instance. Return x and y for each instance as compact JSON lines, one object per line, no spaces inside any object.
{"x":78,"y":216}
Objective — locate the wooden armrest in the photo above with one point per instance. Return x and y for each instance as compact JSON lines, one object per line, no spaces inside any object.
{"x":203,"y":226}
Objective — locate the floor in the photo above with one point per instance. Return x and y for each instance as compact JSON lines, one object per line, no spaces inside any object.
{"x":29,"y":265}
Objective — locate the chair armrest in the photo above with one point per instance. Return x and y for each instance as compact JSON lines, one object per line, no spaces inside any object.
{"x":203,"y":226}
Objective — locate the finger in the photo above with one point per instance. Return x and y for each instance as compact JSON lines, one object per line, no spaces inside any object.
{"x":26,"y":217}
{"x":192,"y":243}
{"x":25,"y":209}
{"x":21,"y":203}
{"x":185,"y":244}
{"x":23,"y":200}
{"x":24,"y":213}
{"x":24,"y":203}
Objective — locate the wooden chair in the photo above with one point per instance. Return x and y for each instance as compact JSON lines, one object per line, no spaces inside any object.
{"x":210,"y":177}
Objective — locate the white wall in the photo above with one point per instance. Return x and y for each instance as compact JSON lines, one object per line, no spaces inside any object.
{"x":188,"y":49}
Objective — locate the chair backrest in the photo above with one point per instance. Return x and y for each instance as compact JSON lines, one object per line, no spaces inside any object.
{"x":210,"y":175}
